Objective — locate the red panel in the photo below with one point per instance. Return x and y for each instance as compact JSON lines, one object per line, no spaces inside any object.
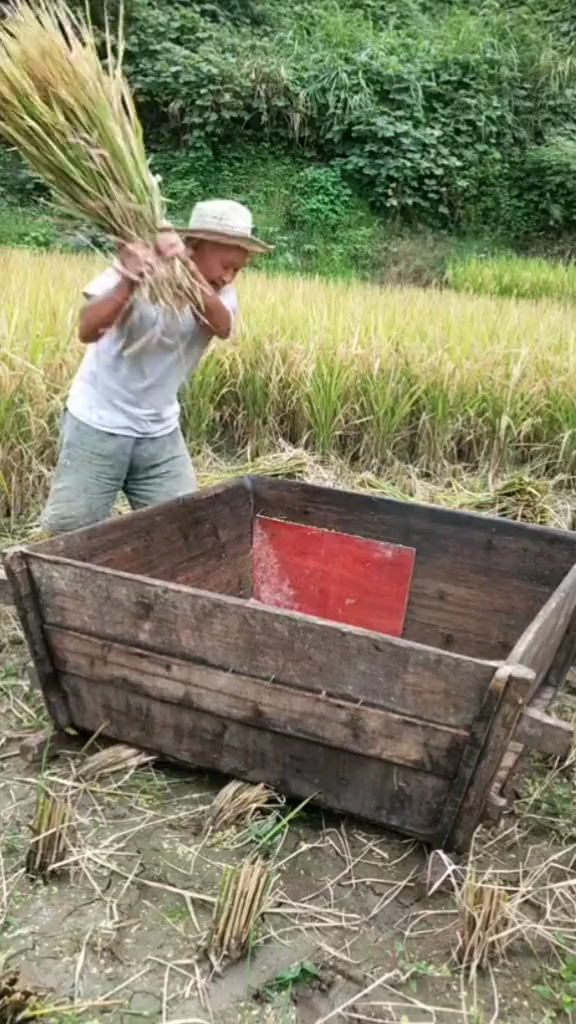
{"x":332,"y":575}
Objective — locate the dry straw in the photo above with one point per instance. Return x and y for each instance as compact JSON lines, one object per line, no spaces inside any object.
{"x":241,"y":903}
{"x":50,"y":828}
{"x":116,"y":758}
{"x":237,"y":801}
{"x":73,"y":119}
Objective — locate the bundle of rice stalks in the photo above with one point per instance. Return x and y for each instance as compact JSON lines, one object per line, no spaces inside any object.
{"x":50,"y":826}
{"x":119,"y":757}
{"x":238,"y":801}
{"x":15,"y":1003}
{"x":483,"y":922}
{"x":73,"y":120}
{"x":239,"y":908}
{"x":534,"y":906}
{"x":519,"y":497}
{"x":290,"y":463}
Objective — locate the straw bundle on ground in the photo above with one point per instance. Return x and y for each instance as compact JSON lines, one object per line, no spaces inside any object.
{"x":241,"y":903}
{"x":237,"y":801}
{"x":50,"y":828}
{"x":118,"y":758}
{"x":73,"y":120}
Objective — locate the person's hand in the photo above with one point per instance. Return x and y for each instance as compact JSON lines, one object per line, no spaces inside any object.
{"x":136,"y":260}
{"x":169,"y":245}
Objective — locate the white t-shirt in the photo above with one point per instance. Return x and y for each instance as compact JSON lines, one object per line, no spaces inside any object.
{"x":135,"y":393}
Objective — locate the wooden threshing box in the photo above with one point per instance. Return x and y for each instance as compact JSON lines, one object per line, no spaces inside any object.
{"x":146,"y":627}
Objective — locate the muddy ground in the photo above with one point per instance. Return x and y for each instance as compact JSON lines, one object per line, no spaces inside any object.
{"x":120,"y":933}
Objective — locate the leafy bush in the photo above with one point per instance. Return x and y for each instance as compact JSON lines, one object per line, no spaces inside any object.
{"x":455,"y":116}
{"x":23,"y":227}
{"x":550,"y":183}
{"x":321,"y":198}
{"x":432,"y":110}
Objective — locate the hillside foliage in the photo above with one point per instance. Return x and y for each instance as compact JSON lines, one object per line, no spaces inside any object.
{"x":326,"y":114}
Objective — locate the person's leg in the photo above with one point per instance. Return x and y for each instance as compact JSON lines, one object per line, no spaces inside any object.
{"x":160,"y":469}
{"x":91,"y":469}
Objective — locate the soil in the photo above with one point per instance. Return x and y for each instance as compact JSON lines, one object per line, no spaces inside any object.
{"x":119,"y":934}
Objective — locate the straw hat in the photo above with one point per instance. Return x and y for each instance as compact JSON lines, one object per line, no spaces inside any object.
{"x":225,"y":221}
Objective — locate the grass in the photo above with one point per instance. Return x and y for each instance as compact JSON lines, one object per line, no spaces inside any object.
{"x":516,"y":276}
{"x":424,"y":380}
{"x":559,"y":988}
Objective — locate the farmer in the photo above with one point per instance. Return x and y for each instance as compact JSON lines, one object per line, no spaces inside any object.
{"x":120,"y":429}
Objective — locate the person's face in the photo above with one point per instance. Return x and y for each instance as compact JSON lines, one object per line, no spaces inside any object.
{"x":219,"y":263}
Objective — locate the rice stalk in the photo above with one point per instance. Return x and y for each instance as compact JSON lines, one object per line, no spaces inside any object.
{"x":119,"y":757}
{"x":237,"y":801}
{"x":239,"y":908}
{"x":50,"y":828}
{"x":498,"y":909}
{"x":519,"y":497}
{"x":483,"y":922}
{"x":430,"y":354}
{"x":73,"y":120}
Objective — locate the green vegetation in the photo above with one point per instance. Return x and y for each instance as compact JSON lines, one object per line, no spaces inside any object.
{"x":559,"y":989}
{"x":515,"y":276}
{"x":353,"y":127}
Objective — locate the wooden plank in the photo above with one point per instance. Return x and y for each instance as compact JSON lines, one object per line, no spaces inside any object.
{"x":339,"y":724}
{"x":232,"y":634}
{"x":540,"y":731}
{"x":539,"y":644}
{"x":554,"y":679}
{"x":502,"y":788}
{"x":461,"y":595}
{"x":400,"y":798}
{"x":203,"y":539}
{"x":27,"y":606}
{"x":331,"y":575}
{"x":489,"y":739}
{"x":501,"y":793}
{"x":5,"y":592}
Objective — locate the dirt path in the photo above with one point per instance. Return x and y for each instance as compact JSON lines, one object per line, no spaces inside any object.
{"x":122,"y":929}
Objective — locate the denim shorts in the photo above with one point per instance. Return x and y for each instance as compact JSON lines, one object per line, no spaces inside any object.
{"x":94,"y":467}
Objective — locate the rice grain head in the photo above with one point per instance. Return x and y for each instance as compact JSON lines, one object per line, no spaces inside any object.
{"x":73,"y":119}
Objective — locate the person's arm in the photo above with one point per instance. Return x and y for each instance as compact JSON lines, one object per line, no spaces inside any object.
{"x":99,"y":315}
{"x":215,"y":315}
{"x":102,"y":312}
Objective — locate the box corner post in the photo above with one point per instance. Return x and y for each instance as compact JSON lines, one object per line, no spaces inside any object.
{"x":29,"y":612}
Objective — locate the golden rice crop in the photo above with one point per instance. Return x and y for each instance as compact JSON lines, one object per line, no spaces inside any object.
{"x":429,"y":379}
{"x":73,"y":119}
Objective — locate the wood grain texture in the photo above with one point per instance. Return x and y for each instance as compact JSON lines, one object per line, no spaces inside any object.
{"x":489,"y":739}
{"x":240,"y":698}
{"x":558,"y":671}
{"x":231,"y":634}
{"x":539,"y":645}
{"x":202,"y":540}
{"x":461,"y":597}
{"x":400,"y":798}
{"x":540,"y":701}
{"x":542,"y":732}
{"x":28,"y":608}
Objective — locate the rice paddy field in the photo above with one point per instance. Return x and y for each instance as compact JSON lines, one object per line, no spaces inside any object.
{"x":132,"y":892}
{"x":412,"y":386}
